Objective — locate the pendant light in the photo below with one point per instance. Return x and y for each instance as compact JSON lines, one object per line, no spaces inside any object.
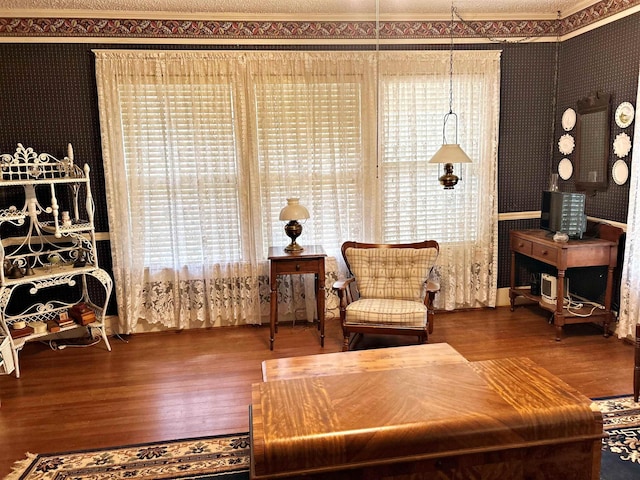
{"x":450,"y":153}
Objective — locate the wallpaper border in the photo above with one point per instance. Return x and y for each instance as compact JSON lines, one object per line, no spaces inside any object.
{"x":308,"y":30}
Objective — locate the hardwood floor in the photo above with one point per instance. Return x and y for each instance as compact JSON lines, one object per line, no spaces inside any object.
{"x":162,"y":386}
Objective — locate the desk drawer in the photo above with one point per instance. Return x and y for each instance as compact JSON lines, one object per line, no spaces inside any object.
{"x":521,"y":246}
{"x":544,"y":253}
{"x":298,"y":265}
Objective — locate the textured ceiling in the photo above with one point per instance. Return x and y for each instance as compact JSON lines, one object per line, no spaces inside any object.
{"x":491,"y":9}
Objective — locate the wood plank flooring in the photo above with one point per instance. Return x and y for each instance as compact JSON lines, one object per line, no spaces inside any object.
{"x":162,"y":386}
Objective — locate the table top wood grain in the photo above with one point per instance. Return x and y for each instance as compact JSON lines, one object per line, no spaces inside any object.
{"x":319,"y":423}
{"x":360,"y":361}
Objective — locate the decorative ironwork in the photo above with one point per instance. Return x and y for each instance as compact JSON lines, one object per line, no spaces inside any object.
{"x":51,"y":248}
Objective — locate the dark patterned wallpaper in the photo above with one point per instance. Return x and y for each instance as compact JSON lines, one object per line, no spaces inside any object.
{"x":606,"y":60}
{"x":48,"y":99}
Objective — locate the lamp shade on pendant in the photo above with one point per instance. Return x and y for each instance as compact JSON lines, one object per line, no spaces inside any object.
{"x":450,"y":153}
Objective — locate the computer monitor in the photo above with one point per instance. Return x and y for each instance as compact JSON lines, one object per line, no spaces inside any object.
{"x":563,"y":212}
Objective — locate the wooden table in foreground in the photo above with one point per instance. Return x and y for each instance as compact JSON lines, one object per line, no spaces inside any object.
{"x":495,"y":419}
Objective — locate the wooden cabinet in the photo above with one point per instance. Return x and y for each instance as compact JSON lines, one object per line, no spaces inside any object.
{"x":48,"y":248}
{"x":586,"y":252}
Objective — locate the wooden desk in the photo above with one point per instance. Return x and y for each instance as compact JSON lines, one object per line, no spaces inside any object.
{"x":588,"y":252}
{"x":358,"y":361}
{"x":505,"y":418}
{"x":308,"y":261}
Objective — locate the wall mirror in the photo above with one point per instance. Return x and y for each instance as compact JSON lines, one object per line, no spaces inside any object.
{"x":592,"y":143}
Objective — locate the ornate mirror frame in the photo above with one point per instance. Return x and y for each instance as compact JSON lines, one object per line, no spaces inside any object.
{"x":592,"y":143}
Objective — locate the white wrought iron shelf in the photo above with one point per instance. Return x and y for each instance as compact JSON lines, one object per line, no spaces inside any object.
{"x":19,"y":342}
{"x":12,"y":215}
{"x":82,"y":226}
{"x":51,"y":240}
{"x":50,"y":274}
{"x":41,"y":181}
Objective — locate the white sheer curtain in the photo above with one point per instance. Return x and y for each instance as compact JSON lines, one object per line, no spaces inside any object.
{"x":629,"y":315}
{"x":175,"y":259}
{"x":201,"y":150}
{"x":415,"y":97}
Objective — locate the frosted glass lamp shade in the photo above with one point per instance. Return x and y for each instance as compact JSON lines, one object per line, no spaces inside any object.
{"x":291,"y":213}
{"x":293,"y":210}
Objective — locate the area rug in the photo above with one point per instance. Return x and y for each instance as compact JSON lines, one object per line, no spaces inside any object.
{"x":226,"y":457}
{"x":621,"y":447}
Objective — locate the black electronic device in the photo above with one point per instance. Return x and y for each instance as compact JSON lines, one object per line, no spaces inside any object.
{"x":563,"y":212}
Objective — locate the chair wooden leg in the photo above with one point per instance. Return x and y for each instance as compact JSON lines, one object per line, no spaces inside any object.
{"x":345,"y":343}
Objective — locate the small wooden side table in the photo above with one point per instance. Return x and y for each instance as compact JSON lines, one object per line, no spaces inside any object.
{"x":308,"y":261}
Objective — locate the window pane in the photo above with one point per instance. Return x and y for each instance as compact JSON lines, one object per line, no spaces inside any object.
{"x":310,"y":146}
{"x":179,"y":145}
{"x":415,"y":207}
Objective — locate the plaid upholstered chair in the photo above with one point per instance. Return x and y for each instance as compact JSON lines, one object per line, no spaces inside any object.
{"x":389,"y":290}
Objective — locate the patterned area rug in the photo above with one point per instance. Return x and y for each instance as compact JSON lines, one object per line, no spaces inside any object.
{"x":220,"y":457}
{"x":227,"y":457}
{"x":621,"y":449}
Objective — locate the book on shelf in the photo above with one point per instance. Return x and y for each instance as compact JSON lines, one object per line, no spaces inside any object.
{"x":65,"y":322}
{"x":21,"y":332}
{"x":53,"y":326}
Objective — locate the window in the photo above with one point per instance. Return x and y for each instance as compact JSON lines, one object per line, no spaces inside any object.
{"x":414,"y":204}
{"x":310,"y":145}
{"x":180,"y":150}
{"x":202,"y":148}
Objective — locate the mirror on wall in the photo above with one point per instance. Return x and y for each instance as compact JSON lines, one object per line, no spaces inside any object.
{"x":592,"y":143}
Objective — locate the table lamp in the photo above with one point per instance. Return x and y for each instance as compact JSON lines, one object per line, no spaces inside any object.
{"x":291,"y":213}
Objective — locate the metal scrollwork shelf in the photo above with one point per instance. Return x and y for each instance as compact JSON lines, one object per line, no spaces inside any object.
{"x":48,"y":241}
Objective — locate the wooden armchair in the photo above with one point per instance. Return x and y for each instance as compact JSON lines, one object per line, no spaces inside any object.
{"x":389,"y":291}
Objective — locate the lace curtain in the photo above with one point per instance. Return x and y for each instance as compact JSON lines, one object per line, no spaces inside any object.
{"x":201,"y":150}
{"x":463,"y":220}
{"x":629,"y":315}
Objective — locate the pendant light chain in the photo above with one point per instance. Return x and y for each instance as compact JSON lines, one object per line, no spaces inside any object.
{"x":377,"y":92}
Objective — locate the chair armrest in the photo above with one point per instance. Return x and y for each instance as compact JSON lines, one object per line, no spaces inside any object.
{"x":343,"y":284}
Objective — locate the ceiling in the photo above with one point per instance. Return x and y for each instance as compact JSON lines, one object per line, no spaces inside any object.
{"x":415,"y":9}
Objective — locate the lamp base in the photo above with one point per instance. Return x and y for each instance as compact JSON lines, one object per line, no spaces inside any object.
{"x":448,"y":180}
{"x":293,"y":229}
{"x":293,"y":247}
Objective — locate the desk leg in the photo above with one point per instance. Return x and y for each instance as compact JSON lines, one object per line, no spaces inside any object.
{"x":273,"y":316}
{"x":320,"y":297}
{"x":512,"y":280}
{"x":558,"y":318}
{"x":607,"y":301}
